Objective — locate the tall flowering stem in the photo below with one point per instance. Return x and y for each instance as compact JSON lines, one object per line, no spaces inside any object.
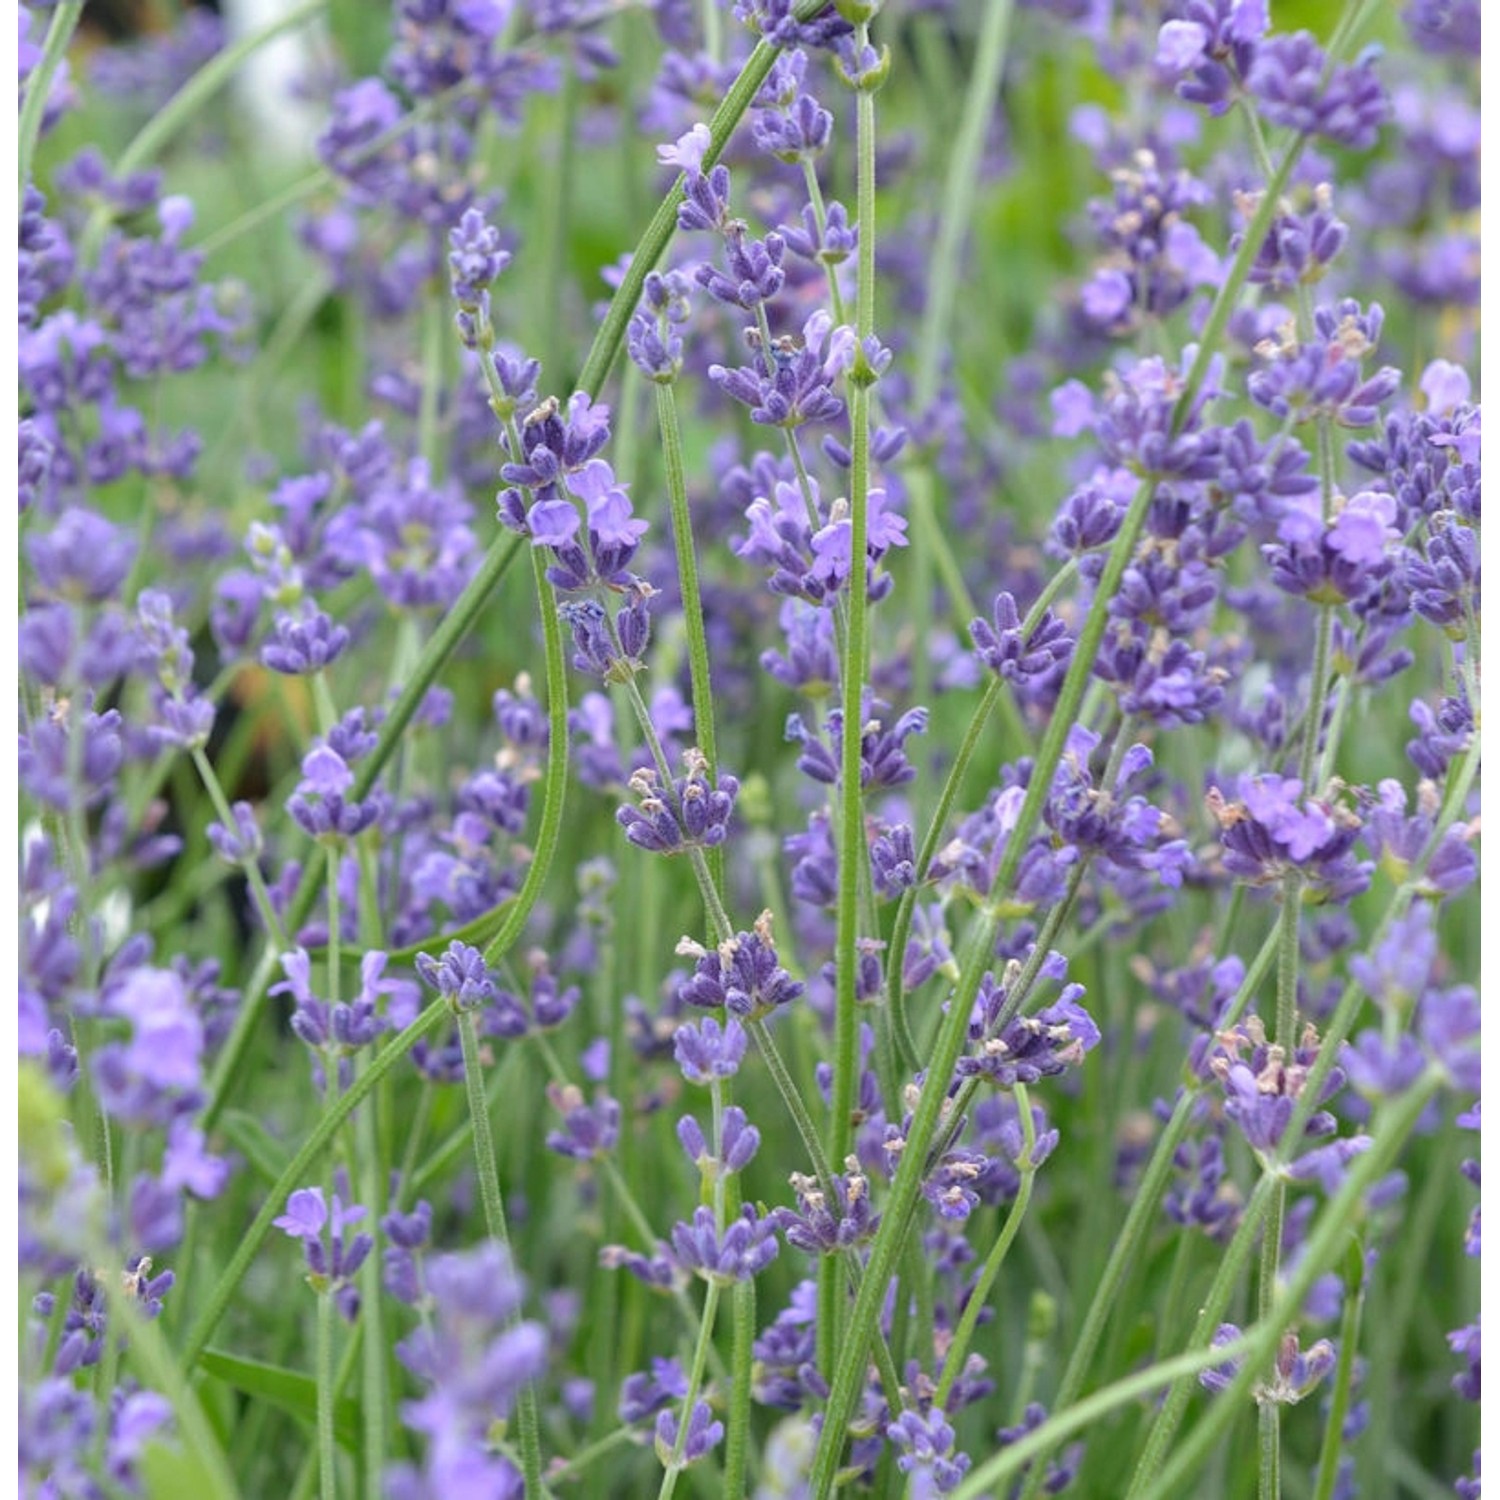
{"x":1164,"y":1426}
{"x":852,"y":856}
{"x":848,"y":1374}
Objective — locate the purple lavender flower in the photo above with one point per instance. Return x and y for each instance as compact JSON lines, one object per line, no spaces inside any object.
{"x":475,"y":1358}
{"x":744,"y":975}
{"x":747,"y":1246}
{"x":702,"y":1435}
{"x":331,"y":1263}
{"x":1273,"y":828}
{"x":706,"y":1051}
{"x":321,"y":806}
{"x":304,"y":643}
{"x":588,"y":1130}
{"x":927,"y":1452}
{"x":1287,"y":79}
{"x":739,"y":1141}
{"x":691,"y":814}
{"x":821,"y":1228}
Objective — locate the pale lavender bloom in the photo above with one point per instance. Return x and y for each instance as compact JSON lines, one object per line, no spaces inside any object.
{"x":688,"y":151}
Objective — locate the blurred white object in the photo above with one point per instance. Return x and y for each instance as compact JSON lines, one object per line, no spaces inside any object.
{"x":267,"y":83}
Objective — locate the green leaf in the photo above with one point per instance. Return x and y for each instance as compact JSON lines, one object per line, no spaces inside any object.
{"x":288,"y":1390}
{"x":172,"y":1473}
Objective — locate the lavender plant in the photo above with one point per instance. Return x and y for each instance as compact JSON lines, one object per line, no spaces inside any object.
{"x":930,"y":947}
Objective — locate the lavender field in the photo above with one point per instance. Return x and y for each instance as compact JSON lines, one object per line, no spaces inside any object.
{"x":491,"y":1023}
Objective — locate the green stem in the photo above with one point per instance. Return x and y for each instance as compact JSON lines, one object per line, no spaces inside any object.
{"x":985,"y":1479}
{"x":1210,"y":1314}
{"x":494,"y":1218}
{"x":963,"y":1335}
{"x":737,"y":1440}
{"x":451,"y":629}
{"x":851,"y":695}
{"x":695,"y":1380}
{"x":249,"y":866}
{"x":692,"y":598}
{"x":327,"y":1459}
{"x":973,"y":738}
{"x":959,"y":200}
{"x":374,"y":1369}
{"x":1289,"y":955}
{"x":1343,"y":1380}
{"x":1390,"y":1135}
{"x":179,"y":111}
{"x":151,"y":1356}
{"x":557,"y":195}
{"x":39,"y":87}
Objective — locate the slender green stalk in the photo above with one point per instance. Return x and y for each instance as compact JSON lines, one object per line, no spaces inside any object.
{"x":988,"y":1477}
{"x":327,"y":1457}
{"x":958,"y":199}
{"x":741,"y":1362}
{"x":556,"y":201}
{"x":674,"y":1465}
{"x":963,"y":1335}
{"x":375,"y":1404}
{"x":149,"y":1353}
{"x":39,"y":87}
{"x":1210,"y":1314}
{"x":249,"y":866}
{"x":1289,"y":956}
{"x":692,"y":597}
{"x":852,"y":853}
{"x":183,"y":107}
{"x":952,"y":785}
{"x":1391,"y":1133}
{"x":1343,"y":1380}
{"x":494,"y":1218}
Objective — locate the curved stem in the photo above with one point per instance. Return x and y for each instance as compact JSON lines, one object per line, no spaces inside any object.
{"x":39,"y":87}
{"x":555,"y":781}
{"x":959,"y":199}
{"x":963,"y":1335}
{"x":690,"y":1398}
{"x":692,"y":598}
{"x":451,"y":629}
{"x":178,"y":112}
